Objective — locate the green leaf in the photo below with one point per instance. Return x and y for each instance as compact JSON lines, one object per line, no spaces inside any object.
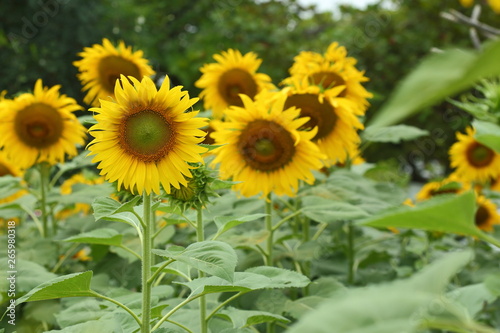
{"x":438,"y":76}
{"x":303,"y":305}
{"x":253,"y":279}
{"x":392,"y":307}
{"x":104,"y":236}
{"x":72,"y":285}
{"x":29,"y":275}
{"x":445,"y":213}
{"x":246,"y":318}
{"x":488,"y":134}
{"x":111,"y":210}
{"x":212,"y":257}
{"x":330,"y":211}
{"x":224,"y":223}
{"x":394,"y":134}
{"x":473,"y":297}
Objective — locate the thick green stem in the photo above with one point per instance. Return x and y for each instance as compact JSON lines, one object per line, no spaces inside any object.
{"x":269,"y":227}
{"x":350,"y":252}
{"x":44,"y":179}
{"x":200,"y":237}
{"x":146,"y":265}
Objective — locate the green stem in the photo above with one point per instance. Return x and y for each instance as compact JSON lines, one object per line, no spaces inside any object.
{"x":350,"y":252}
{"x":269,"y":227}
{"x":44,"y":177}
{"x":124,"y":307}
{"x":174,"y":310}
{"x":280,"y":223}
{"x":146,"y":266}
{"x":64,"y":257}
{"x":227,"y":301}
{"x":129,"y":250}
{"x":200,"y":237}
{"x":158,"y":271}
{"x":320,"y":230}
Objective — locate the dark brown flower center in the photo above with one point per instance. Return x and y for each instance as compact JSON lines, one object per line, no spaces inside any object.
{"x":110,"y":69}
{"x":38,"y":125}
{"x":266,"y":145}
{"x":5,"y":170}
{"x":482,"y":216}
{"x":321,"y":114}
{"x":147,"y":135}
{"x":479,"y":155}
{"x":234,"y":82}
{"x":328,"y":80}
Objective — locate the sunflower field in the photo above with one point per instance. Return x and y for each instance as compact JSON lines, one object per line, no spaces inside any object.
{"x":243,"y":166}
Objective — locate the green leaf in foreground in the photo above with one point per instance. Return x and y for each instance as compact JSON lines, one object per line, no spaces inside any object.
{"x":445,"y":213}
{"x":488,"y":134}
{"x":394,"y":134}
{"x":439,"y":76}
{"x":103,"y":236}
{"x":72,"y":285}
{"x":212,"y":257}
{"x":393,"y":307}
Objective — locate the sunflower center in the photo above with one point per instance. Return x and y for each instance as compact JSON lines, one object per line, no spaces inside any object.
{"x":266,"y":145}
{"x":482,"y":216}
{"x":39,"y":125}
{"x":320,"y":114}
{"x":234,"y":82}
{"x":479,"y":155}
{"x":328,"y":80}
{"x":110,"y":69}
{"x":147,"y":135}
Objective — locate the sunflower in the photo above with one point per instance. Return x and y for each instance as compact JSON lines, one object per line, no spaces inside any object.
{"x":233,"y":74}
{"x":450,"y":185}
{"x":102,"y":65}
{"x":263,"y":148}
{"x":337,"y":135}
{"x":332,"y":71}
{"x":40,"y":127}
{"x":486,"y":215}
{"x":7,"y":168}
{"x":473,"y":161}
{"x":494,"y":4}
{"x":145,"y":138}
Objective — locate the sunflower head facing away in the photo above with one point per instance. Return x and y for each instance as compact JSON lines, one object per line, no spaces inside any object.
{"x":40,"y":127}
{"x":146,"y":138}
{"x":486,"y":214}
{"x":264,"y":150}
{"x":473,"y":160}
{"x":102,"y":65}
{"x":233,"y":74}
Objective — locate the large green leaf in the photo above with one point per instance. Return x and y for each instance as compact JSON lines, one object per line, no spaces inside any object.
{"x":108,"y":209}
{"x":329,"y":211}
{"x":212,"y":257}
{"x":446,"y":213}
{"x":246,"y":318}
{"x":225,"y":223}
{"x":256,"y":278}
{"x":439,"y":76}
{"x":393,"y":134}
{"x":393,"y":307}
{"x":488,"y":134}
{"x":72,"y":285}
{"x":103,"y":236}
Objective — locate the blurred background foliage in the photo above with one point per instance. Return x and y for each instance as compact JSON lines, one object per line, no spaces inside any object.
{"x":41,"y":39}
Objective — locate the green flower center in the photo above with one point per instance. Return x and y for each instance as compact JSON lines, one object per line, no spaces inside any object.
{"x":147,"y":135}
{"x":38,"y":125}
{"x":110,"y":69}
{"x":479,"y":155}
{"x":234,"y":82}
{"x":266,"y":145}
{"x":328,"y":80}
{"x":321,"y":115}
